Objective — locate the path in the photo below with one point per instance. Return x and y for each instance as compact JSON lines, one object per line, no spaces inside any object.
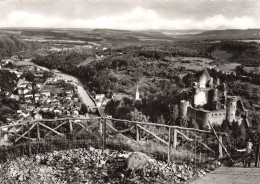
{"x":231,"y":175}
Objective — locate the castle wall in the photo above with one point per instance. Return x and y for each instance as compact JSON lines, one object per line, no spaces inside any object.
{"x":216,"y":117}
{"x":202,"y":117}
{"x":198,"y":115}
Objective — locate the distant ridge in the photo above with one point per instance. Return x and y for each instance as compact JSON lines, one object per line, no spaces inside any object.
{"x":227,"y":34}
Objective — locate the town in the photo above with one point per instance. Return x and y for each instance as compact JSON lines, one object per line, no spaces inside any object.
{"x":40,"y":93}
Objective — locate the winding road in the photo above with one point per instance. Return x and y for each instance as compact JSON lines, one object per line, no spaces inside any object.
{"x":87,"y":100}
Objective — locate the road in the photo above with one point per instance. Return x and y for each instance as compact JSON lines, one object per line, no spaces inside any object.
{"x":81,"y":91}
{"x":231,"y":175}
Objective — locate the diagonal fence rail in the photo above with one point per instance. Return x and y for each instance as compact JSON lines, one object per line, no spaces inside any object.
{"x":44,"y":129}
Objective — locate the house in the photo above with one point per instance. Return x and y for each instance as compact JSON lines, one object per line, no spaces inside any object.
{"x":75,"y":113}
{"x":75,"y":99}
{"x":28,"y":95}
{"x":19,"y":111}
{"x":38,"y":85}
{"x":24,"y":114}
{"x":22,"y":83}
{"x":98,"y":104}
{"x":68,"y":98}
{"x":23,"y":91}
{"x":46,"y":93}
{"x":100,"y":97}
{"x":57,"y":112}
{"x":15,"y":97}
{"x":37,"y":116}
{"x":30,"y":107}
{"x":69,"y":92}
{"x":45,"y":109}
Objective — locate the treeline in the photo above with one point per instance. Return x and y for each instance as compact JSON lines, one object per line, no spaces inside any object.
{"x":243,"y":52}
{"x":10,"y":46}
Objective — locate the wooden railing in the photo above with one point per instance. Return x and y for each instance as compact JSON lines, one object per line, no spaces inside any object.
{"x":104,"y":124}
{"x":173,"y":132}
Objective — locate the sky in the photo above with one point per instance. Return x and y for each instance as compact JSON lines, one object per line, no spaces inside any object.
{"x":131,"y":14}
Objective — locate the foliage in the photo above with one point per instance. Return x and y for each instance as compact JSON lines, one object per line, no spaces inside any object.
{"x":7,"y":80}
{"x":9,"y":46}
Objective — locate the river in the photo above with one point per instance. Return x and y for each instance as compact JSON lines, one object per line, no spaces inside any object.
{"x":87,"y":100}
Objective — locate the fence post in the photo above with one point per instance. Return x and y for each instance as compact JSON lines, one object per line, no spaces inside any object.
{"x":100,"y":126}
{"x":104,"y":134}
{"x":137,"y":133}
{"x":29,"y":140}
{"x":38,"y":131}
{"x":175,"y":138}
{"x":169,"y":146}
{"x":257,"y":155}
{"x":71,"y":126}
{"x":220,"y":149}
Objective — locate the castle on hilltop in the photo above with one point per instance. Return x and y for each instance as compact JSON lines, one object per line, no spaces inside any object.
{"x":209,"y":103}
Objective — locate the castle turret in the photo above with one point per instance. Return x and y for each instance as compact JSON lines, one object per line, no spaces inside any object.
{"x":231,"y":108}
{"x":183,"y":108}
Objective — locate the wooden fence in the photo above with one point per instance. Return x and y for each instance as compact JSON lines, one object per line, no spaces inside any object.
{"x":104,"y":124}
{"x":173,"y":132}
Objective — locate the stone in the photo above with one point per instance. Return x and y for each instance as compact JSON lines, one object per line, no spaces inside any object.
{"x":137,"y":160}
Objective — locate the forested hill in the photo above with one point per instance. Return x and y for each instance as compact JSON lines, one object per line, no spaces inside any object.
{"x":10,"y":46}
{"x":224,"y":34}
{"x":240,"y":52}
{"x":232,"y":33}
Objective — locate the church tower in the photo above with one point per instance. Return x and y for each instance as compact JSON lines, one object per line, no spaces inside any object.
{"x":137,"y":94}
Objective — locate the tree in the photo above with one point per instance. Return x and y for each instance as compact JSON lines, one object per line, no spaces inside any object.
{"x":138,"y":116}
{"x":183,"y":122}
{"x":193,"y":124}
{"x":174,"y":110}
{"x":29,"y":76}
{"x":46,"y":75}
{"x":84,"y":109}
{"x":160,"y":120}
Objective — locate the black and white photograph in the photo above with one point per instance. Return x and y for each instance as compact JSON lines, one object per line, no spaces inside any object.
{"x":129,"y":91}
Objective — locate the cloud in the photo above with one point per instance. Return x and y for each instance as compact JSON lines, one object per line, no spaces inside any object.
{"x":137,"y":18}
{"x":25,"y":19}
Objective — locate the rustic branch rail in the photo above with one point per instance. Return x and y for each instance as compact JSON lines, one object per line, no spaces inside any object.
{"x":173,"y":131}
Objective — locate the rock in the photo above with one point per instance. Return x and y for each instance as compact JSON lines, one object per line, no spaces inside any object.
{"x":211,"y":167}
{"x":137,"y":160}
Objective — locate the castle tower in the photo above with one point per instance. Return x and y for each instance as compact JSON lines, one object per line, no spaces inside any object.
{"x":137,"y":94}
{"x":231,"y":108}
{"x":213,"y":99}
{"x":183,"y":108}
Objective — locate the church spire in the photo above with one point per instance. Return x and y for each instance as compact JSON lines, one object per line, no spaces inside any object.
{"x":137,"y":95}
